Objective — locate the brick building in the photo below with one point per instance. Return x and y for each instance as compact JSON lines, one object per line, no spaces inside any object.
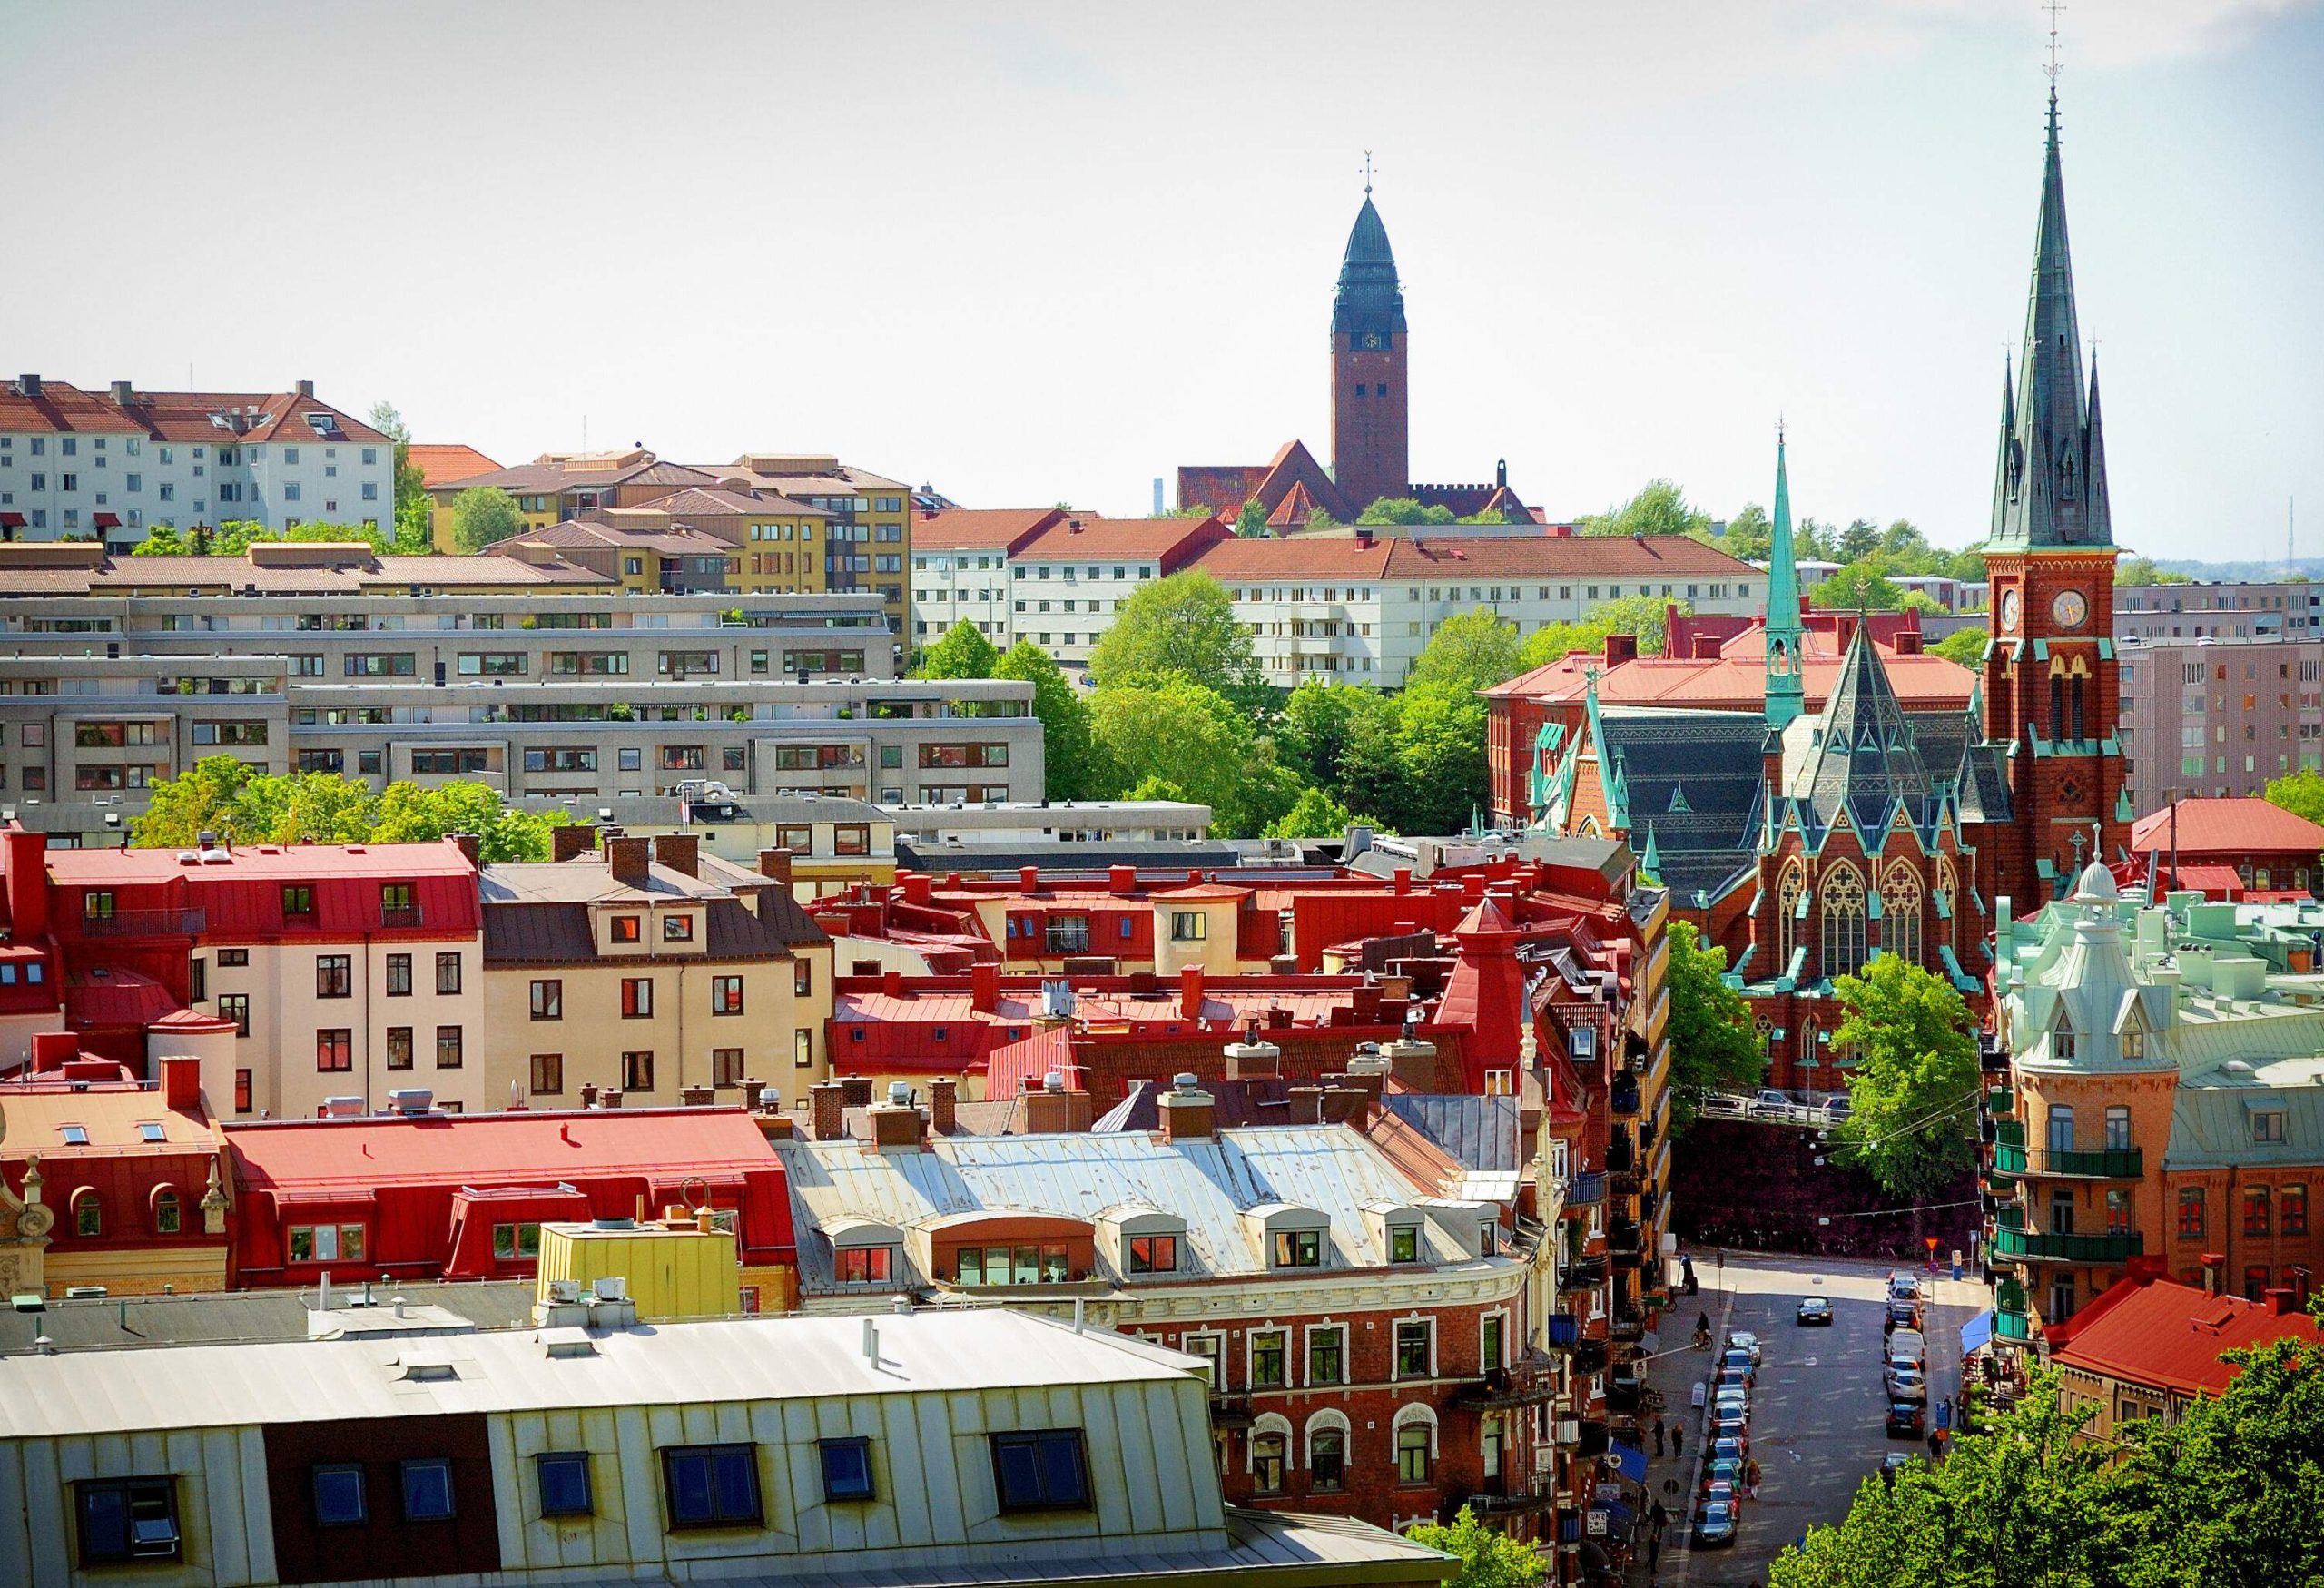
{"x":2148,"y":1348}
{"x":2221,"y":720}
{"x":2229,"y":849}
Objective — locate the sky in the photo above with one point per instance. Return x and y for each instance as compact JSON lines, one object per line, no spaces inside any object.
{"x":1040,"y":252}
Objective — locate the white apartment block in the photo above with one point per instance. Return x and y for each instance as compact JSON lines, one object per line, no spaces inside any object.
{"x":83,"y":465}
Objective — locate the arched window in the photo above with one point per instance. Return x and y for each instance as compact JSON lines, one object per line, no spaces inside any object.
{"x":1900,"y":913}
{"x":2057,"y":705}
{"x":1948,"y":884}
{"x":169,"y":1214}
{"x":1415,"y":1458}
{"x":1328,"y":1434}
{"x":88,"y":1213}
{"x":1843,"y":892}
{"x":2079,"y":681}
{"x":1793,"y":884}
{"x":1270,"y":1451}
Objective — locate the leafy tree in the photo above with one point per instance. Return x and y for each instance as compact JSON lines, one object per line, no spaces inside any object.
{"x":1856,"y":588}
{"x":964,"y":653}
{"x":1403,"y":510}
{"x":1319,"y":520}
{"x":408,"y":813}
{"x":1912,"y":1092}
{"x":1659,"y":508}
{"x":1184,"y":624}
{"x":1315,"y":814}
{"x":484,"y":514}
{"x":1859,"y":541}
{"x":219,"y":795}
{"x":1813,"y":539}
{"x":2142,"y":570}
{"x":2300,"y":793}
{"x":1171,"y":727}
{"x":199,"y":800}
{"x":411,"y":536}
{"x":1312,"y":730}
{"x":1251,"y":523}
{"x":1967,"y":565}
{"x":1904,"y":539}
{"x":1748,"y":533}
{"x":1469,"y":651}
{"x":1645,"y":616}
{"x":1712,"y":1048}
{"x":1157,"y":788}
{"x":164,"y":540}
{"x":1919,"y":601}
{"x":1965,"y":645}
{"x":1372,"y":776}
{"x":1072,"y":767}
{"x":1488,"y":1559}
{"x":1489,"y":515}
{"x":1441,"y":751}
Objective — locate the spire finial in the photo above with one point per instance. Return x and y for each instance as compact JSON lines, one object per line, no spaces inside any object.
{"x":2055,"y":66}
{"x":1367,"y":174}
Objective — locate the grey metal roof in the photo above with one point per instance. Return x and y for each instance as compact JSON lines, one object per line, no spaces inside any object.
{"x":1860,"y":752}
{"x":241,"y":1315}
{"x":1475,"y":1132}
{"x":1064,"y":856}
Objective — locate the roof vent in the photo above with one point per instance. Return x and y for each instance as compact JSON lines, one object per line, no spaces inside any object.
{"x":411,"y":1099}
{"x":425,"y":1367}
{"x":563,"y":1291}
{"x":568,"y":1341}
{"x":900,"y":1094}
{"x":609,"y":1287}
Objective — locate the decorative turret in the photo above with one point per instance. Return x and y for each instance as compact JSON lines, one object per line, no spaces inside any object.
{"x":1787,"y":674}
{"x":1862,"y":754}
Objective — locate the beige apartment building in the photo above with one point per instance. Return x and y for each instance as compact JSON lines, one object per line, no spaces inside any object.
{"x":647,"y":969}
{"x":867,"y":535}
{"x":2219,"y":718}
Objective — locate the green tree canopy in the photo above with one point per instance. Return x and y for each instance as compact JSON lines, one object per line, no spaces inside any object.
{"x":1488,"y":1559}
{"x":1712,"y":1048}
{"x":1403,"y":510}
{"x":1313,"y":728}
{"x":220,"y":795}
{"x":964,"y":653}
{"x":409,"y":534}
{"x":1859,"y":541}
{"x":1659,"y":508}
{"x":1184,"y":624}
{"x":1314,"y":814}
{"x":1857,"y":587}
{"x":234,"y":537}
{"x":1072,"y":766}
{"x":2300,"y":793}
{"x":1469,"y":651}
{"x":1965,"y":645}
{"x":1747,"y":534}
{"x":1487,"y":516}
{"x":1172,"y":728}
{"x":1251,"y":521}
{"x":484,"y":514}
{"x":1645,"y":616}
{"x":2142,"y":570}
{"x":1913,"y":1094}
{"x":1441,"y":757}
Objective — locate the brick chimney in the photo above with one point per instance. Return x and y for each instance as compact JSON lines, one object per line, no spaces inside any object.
{"x":52,"y":1050}
{"x":471,"y":845}
{"x":1029,"y":879}
{"x":856,"y":1089}
{"x":609,"y":1098}
{"x":182,"y":1083}
{"x":2214,"y":1267}
{"x":1189,"y":1112}
{"x":1306,"y":1105}
{"x":1347,"y":1105}
{"x":2281,"y":1301}
{"x":895,"y":1122}
{"x":1412,"y":1062}
{"x":1369,"y":1073}
{"x":1908,"y":642}
{"x":1190,"y":992}
{"x":626,"y":859}
{"x":1621,"y":648}
{"x":984,"y":987}
{"x":1051,"y":1109}
{"x":827,"y":1109}
{"x":572,"y":840}
{"x":775,"y":864}
{"x":697,"y":1097}
{"x":681,"y":851}
{"x":1252,"y":1060}
{"x":943,"y":1105}
{"x":590,"y":1095}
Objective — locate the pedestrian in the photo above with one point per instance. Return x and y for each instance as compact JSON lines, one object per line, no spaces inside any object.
{"x":1654,"y":1553}
{"x":1661,"y":1438}
{"x":1751,"y":1477}
{"x":1678,"y":1438}
{"x":1936,"y":1445}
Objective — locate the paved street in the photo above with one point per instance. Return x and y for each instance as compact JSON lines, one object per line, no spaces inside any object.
{"x":1816,"y":1410}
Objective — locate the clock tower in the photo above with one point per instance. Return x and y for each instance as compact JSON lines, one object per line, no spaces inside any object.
{"x":2050,"y":687}
{"x":1371,"y":444}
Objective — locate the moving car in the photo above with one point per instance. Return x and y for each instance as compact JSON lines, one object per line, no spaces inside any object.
{"x":1716,"y":1530}
{"x":1907,"y":1383}
{"x":1744,"y":1340}
{"x":1907,"y":1420}
{"x":1815,"y":1309}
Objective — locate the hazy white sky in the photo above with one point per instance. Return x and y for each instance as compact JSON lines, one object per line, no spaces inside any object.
{"x":1034,"y":252}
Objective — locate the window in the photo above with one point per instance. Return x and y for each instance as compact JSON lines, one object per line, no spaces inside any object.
{"x":1153,"y":1254}
{"x":447,"y":1047}
{"x":564,"y":1479}
{"x":548,"y":1000}
{"x":629,"y":928}
{"x":803,"y":978}
{"x":725,"y":995}
{"x":1403,"y":1243}
{"x":863,"y":1265}
{"x":1268,"y":1462}
{"x":2291,"y":1206}
{"x":2060,"y":1137}
{"x":548,"y":1074}
{"x":1041,"y":1471}
{"x":516,"y":1242}
{"x":399,"y":1047}
{"x":242,"y":1090}
{"x":711,"y":1485}
{"x":847,"y":1469}
{"x":1326,"y":1460}
{"x":333,"y":976}
{"x":1489,"y":1342}
{"x":2118,"y":1129}
{"x":88,"y":1212}
{"x":1327,"y":1355}
{"x":127,"y":1519}
{"x":2191,"y":1211}
{"x":851,"y":838}
{"x":427,"y":1490}
{"x":1414,"y":1458}
{"x":677,"y":928}
{"x":1299,"y":1248}
{"x":1032,"y":1263}
{"x":1416,"y":1348}
{"x":802,"y":1048}
{"x":169,"y":1213}
{"x":97,"y":904}
{"x":2267,"y":1125}
{"x":1189,"y":926}
{"x":1269,"y":1350}
{"x":1843,"y":922}
{"x":637,"y":1071}
{"x":2255,"y":1211}
{"x":335,"y":1050}
{"x":447,"y":974}
{"x":637,"y":998}
{"x":339,"y":1497}
{"x":297,"y":900}
{"x":725,"y":1067}
{"x":398,"y":975}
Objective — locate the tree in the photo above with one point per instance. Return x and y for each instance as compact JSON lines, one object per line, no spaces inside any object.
{"x":1488,"y":1559}
{"x":1403,"y":510}
{"x":2142,"y":570}
{"x":1920,"y":601}
{"x":1859,"y":541}
{"x":408,"y":813}
{"x":1174,"y":728}
{"x":1965,"y":645}
{"x":1645,"y":616}
{"x":1251,"y":523}
{"x":1912,"y":1096}
{"x":964,"y":653}
{"x":1312,"y":730}
{"x":2300,"y":793}
{"x":484,"y":514}
{"x":220,"y":795}
{"x":1315,"y":814}
{"x":1487,"y":516}
{"x":1072,"y":766}
{"x":1712,"y":1048}
{"x":164,"y":540}
{"x":1469,"y":651}
{"x":1184,"y":624}
{"x":411,"y":536}
{"x":1747,"y":535}
{"x":1659,"y":508}
{"x":1440,"y":756}
{"x":1856,"y":588}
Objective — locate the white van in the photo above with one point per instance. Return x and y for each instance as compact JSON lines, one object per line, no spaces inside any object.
{"x":1909,"y":1345}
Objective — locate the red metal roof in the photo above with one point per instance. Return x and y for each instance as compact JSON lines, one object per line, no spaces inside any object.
{"x":1087,"y":538}
{"x":2170,"y":1335}
{"x":506,"y":1148}
{"x":2233,"y":827}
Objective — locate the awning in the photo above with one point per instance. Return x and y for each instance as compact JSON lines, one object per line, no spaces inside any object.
{"x":1977,"y":1333}
{"x":12,"y":520}
{"x":1631,"y":1464}
{"x":288,"y":1201}
{"x":105,"y":520}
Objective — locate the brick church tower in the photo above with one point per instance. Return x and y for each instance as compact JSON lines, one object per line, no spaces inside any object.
{"x":1371,"y":440}
{"x":2050,"y":684}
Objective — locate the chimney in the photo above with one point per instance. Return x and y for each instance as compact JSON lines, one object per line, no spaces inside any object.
{"x":1347,"y":1105}
{"x":2214,"y":1267}
{"x":827,"y":1109}
{"x":1404,"y":879}
{"x":1053,"y":1111}
{"x":123,"y":393}
{"x":572,"y":840}
{"x":775,"y":864}
{"x":2300,"y":1286}
{"x":182,"y":1083}
{"x":1252,"y":1060}
{"x":1369,"y":1073}
{"x":29,"y":385}
{"x":1188,"y":1113}
{"x":943,"y":1105}
{"x":984,"y":987}
{"x":896,"y":1122}
{"x":835,"y":923}
{"x":1190,"y":992}
{"x":53,"y":1051}
{"x":697,"y":1097}
{"x":590,"y":1095}
{"x":1306,"y":1105}
{"x":307,"y":390}
{"x":1908,"y":642}
{"x":27,"y":884}
{"x":2280,"y":1301}
{"x":681,"y":851}
{"x":1029,"y":879}
{"x":1412,"y":1063}
{"x":1621,"y":648}
{"x":1707,"y":648}
{"x":1364,"y":1001}
{"x":1121,"y":881}
{"x":855,"y":1090}
{"x":610,"y":1098}
{"x":919,"y":887}
{"x":891,"y":982}
{"x":625,"y":858}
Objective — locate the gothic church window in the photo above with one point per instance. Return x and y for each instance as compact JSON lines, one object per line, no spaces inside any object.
{"x":1844,"y":914}
{"x":1900,"y":913}
{"x":1788,"y":892}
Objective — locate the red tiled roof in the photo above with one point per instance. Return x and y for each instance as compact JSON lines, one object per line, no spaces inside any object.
{"x":1422,"y":557}
{"x":60,"y":407}
{"x":1315,"y":556}
{"x":1083,"y":537}
{"x":441,"y":463}
{"x":1297,"y":506}
{"x":980,"y":529}
{"x":2227,"y":827}
{"x":178,"y":415}
{"x":2168,"y":1336}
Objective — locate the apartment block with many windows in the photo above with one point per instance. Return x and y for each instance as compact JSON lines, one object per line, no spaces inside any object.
{"x":2263,"y":610}
{"x":2218,"y":719}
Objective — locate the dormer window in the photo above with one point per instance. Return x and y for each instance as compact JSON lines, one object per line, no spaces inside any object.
{"x":677,"y":929}
{"x":2134,"y":1042}
{"x":1582,"y":1042}
{"x":1403,"y":1243}
{"x":1152,"y":1254}
{"x":1300,"y":1249}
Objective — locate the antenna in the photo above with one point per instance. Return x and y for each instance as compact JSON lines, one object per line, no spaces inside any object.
{"x":2055,"y":65}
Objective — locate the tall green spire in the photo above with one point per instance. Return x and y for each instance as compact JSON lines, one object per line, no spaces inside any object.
{"x":1786,"y":686}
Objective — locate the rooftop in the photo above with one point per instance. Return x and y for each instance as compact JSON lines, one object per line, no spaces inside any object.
{"x":2168,"y":1336}
{"x":2231,"y":826}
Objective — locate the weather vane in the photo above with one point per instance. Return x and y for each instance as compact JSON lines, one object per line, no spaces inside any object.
{"x":1367,"y":174}
{"x":2055,"y":67}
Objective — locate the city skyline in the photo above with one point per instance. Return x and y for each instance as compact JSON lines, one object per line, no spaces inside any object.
{"x":1060,"y":264}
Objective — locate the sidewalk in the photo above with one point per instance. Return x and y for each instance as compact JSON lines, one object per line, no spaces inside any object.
{"x":1675,"y":1369}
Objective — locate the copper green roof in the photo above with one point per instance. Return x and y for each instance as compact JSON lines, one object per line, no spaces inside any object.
{"x":1369,"y":298}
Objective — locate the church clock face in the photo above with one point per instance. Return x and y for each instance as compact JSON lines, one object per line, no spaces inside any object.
{"x":2009,"y":610}
{"x":2070,"y":608}
{"x":1371,"y":338}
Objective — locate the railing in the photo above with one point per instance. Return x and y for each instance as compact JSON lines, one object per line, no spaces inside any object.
{"x":1586,"y":1191}
{"x":2120,"y":1163}
{"x":1591,"y":1356}
{"x":2008,"y":1133}
{"x":2012,"y":1326}
{"x":1629,"y":1322}
{"x":1055,"y":941}
{"x":400,"y":915}
{"x":1526,"y":1383}
{"x":2000,"y":1101}
{"x":1562,"y":1330}
{"x":1622,"y":1235}
{"x":146,"y":923}
{"x":2067,"y":1248}
{"x":1586,"y":1273}
{"x":1624,"y":1097}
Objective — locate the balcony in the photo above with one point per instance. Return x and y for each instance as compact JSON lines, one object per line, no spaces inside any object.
{"x":1562,"y":1331}
{"x":1586,"y":1273}
{"x":1527,"y":1383}
{"x":146,"y":923}
{"x":1623,"y":1098}
{"x":1590,"y":1357}
{"x":1620,"y":1154}
{"x":2012,"y":1326}
{"x":1516,"y":1502}
{"x":400,"y":917}
{"x":2121,"y":1163}
{"x":2066,"y":1249}
{"x":1626,"y":1182}
{"x":1629,"y":1322}
{"x":1585,"y":1191}
{"x":2001,"y":1102}
{"x":1624,"y":1241}
{"x":1230,"y":1411}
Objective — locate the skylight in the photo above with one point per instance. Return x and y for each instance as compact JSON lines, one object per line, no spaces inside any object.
{"x":74,"y":1135}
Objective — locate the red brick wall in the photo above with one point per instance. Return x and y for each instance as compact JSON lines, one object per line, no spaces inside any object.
{"x":1371,"y":446}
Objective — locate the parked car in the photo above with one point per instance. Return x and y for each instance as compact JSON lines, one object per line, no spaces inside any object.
{"x":1722,"y":1447}
{"x":1728,"y":1469}
{"x":1727,"y":1107}
{"x":1815,"y":1309}
{"x":1910,"y":1345}
{"x":1737,"y":1375}
{"x":1738,"y":1360}
{"x":1907,"y":1420}
{"x":1716,"y":1530}
{"x":1739,"y":1407}
{"x":1744,"y":1340}
{"x":1904,"y":1283}
{"x":1732,"y":1425}
{"x":1894,"y":1462}
{"x":1724,"y":1494}
{"x":1904,"y":1314}
{"x":1906,"y":1384}
{"x":1835,"y":1110}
